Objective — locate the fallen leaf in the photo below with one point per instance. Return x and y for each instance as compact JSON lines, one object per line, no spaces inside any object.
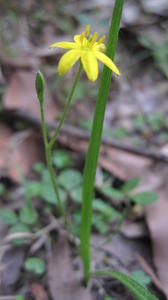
{"x":21,"y":95}
{"x":18,"y":151}
{"x":156,"y":216}
{"x":122,"y":164}
{"x":11,"y":262}
{"x":64,"y":282}
{"x":38,"y":292}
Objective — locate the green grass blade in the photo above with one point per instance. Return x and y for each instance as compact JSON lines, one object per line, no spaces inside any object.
{"x":95,"y":141}
{"x":139,"y":291}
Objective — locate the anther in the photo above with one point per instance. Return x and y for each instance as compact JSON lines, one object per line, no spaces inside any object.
{"x":87,"y":30}
{"x":101,"y":40}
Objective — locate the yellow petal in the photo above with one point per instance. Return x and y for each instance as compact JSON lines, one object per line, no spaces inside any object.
{"x":90,"y":64}
{"x":77,"y":39}
{"x":107,"y":61}
{"x":67,"y":61}
{"x":64,"y":45}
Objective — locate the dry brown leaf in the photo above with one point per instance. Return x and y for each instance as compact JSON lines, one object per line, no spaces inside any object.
{"x":18,"y":151}
{"x":64,"y":282}
{"x":156,"y":216}
{"x":24,"y":61}
{"x":38,"y":292}
{"x":21,"y":95}
{"x":122,"y":164}
{"x":11,"y":263}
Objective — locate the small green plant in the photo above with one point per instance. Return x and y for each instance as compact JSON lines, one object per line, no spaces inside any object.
{"x":19,"y":297}
{"x":159,"y":53}
{"x":141,"y":277}
{"x":2,"y":189}
{"x":138,"y":290}
{"x":88,"y":49}
{"x":25,"y":218}
{"x":35,"y":265}
{"x":28,"y":214}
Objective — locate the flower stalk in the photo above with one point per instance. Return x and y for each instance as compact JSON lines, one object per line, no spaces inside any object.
{"x":48,"y":144}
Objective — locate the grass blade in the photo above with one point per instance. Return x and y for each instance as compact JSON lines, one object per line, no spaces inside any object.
{"x":95,"y":141}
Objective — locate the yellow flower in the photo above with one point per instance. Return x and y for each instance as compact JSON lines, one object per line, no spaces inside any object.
{"x":87,"y":48}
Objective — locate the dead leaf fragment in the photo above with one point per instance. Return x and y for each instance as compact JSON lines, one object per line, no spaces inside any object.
{"x":18,"y":151}
{"x":38,"y":292}
{"x":64,"y":282}
{"x":12,"y":262}
{"x":21,"y":95}
{"x":156,"y":216}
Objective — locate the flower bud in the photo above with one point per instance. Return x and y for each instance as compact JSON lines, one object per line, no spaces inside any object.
{"x":40,"y":86}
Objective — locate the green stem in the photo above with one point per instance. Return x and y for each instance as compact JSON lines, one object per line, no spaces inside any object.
{"x":53,"y":139}
{"x":49,"y":162}
{"x":49,"y":145}
{"x":44,"y":129}
{"x":53,"y":181}
{"x":95,"y":141}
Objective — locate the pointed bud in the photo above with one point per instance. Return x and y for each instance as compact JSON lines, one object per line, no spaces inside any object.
{"x":40,"y":86}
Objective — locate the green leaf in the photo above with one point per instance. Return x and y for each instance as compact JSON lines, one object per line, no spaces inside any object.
{"x":2,"y":189}
{"x":28,"y":215}
{"x":111,"y":192}
{"x":61,"y":159}
{"x":79,"y":93}
{"x":39,"y":167}
{"x":144,"y":198}
{"x":76,"y":194}
{"x":35,"y":265}
{"x":109,"y":298}
{"x":138,"y":290}
{"x":120,"y":133}
{"x":141,"y":277}
{"x":130,"y":185}
{"x":100,"y":225}
{"x":34,"y":188}
{"x":19,"y":228}
{"x":9,"y":217}
{"x":69,"y":179}
{"x":105,"y":209}
{"x":140,"y":122}
{"x":48,"y":193}
{"x":19,"y":297}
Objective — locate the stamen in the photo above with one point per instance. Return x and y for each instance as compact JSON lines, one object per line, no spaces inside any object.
{"x":82,"y":37}
{"x":87,"y":30}
{"x":101,"y":40}
{"x":90,"y":38}
{"x":95,"y":36}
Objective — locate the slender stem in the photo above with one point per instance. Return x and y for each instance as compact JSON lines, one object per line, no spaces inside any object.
{"x":44,"y":129}
{"x":53,"y":139}
{"x":49,"y":144}
{"x":53,"y":181}
{"x":95,"y":141}
{"x":49,"y":162}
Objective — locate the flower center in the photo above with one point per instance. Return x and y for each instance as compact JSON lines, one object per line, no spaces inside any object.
{"x":88,"y":40}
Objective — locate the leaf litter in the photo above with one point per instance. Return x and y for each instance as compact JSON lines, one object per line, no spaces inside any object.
{"x":20,"y":95}
{"x":65,"y":283}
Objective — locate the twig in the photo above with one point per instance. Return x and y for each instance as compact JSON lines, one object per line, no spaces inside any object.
{"x":150,"y":272}
{"x":13,"y":115}
{"x":8,"y":297}
{"x":31,"y":236}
